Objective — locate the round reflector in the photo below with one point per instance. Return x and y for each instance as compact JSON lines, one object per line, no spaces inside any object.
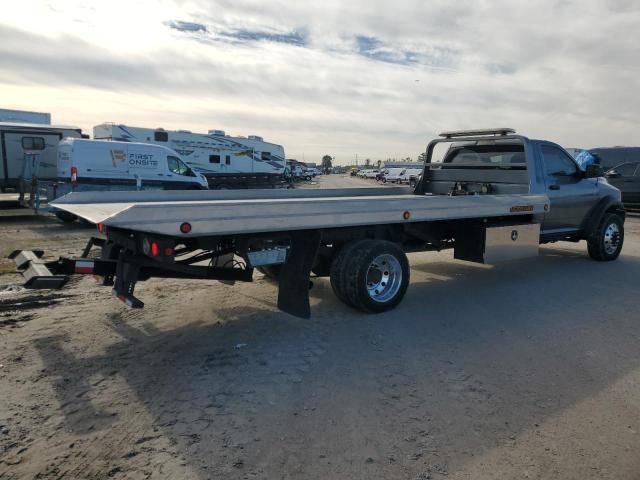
{"x":185,"y":227}
{"x":168,"y":252}
{"x":155,"y":249}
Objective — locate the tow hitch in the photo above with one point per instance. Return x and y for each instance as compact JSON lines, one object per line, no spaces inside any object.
{"x":36,"y":272}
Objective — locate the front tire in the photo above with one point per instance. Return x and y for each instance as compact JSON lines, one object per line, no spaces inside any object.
{"x":605,"y":244}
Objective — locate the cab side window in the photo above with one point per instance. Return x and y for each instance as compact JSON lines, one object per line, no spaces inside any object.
{"x":557,"y":164}
{"x":177,"y":166}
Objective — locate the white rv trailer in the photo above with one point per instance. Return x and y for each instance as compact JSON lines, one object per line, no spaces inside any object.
{"x":20,"y":139}
{"x":225,"y":160}
{"x":24,"y":116}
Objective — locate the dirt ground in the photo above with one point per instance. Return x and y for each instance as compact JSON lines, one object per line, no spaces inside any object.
{"x":526,"y":370}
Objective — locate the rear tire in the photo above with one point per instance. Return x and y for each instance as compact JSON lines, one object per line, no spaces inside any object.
{"x":377,"y":276}
{"x":605,"y":244}
{"x":338,"y":265}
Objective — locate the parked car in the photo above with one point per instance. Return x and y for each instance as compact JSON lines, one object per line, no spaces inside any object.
{"x":371,"y":173}
{"x":626,"y":178}
{"x":408,"y":173}
{"x":381,"y":174}
{"x":393,"y":175}
{"x":414,"y":179}
{"x":620,"y":165}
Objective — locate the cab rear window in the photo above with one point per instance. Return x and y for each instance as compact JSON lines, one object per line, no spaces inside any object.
{"x":486,"y":156}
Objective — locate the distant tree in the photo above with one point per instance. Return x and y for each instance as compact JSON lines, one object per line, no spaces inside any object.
{"x":326,"y":164}
{"x":379,"y":162}
{"x":367,"y":162}
{"x":422,"y":157}
{"x":408,"y":159}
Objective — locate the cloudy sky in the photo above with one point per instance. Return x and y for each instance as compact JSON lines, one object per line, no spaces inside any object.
{"x":372,"y":77}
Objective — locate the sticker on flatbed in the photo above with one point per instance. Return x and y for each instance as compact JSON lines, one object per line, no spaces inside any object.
{"x":522,"y":208}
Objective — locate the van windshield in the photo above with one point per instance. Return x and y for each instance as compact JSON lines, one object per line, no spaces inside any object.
{"x":177,"y":166}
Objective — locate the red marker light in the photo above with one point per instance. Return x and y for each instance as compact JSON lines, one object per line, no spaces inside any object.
{"x":168,"y":252}
{"x":185,"y":227}
{"x":74,"y":174}
{"x":101,"y":228}
{"x":155,"y":249}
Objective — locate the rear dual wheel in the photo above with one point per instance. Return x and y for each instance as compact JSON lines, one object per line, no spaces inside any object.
{"x":370,"y":275}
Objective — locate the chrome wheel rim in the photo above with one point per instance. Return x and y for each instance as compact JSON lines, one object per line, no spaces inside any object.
{"x":611,"y":238}
{"x":384,"y":278}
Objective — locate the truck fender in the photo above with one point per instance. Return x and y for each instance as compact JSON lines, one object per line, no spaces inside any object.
{"x":605,"y":205}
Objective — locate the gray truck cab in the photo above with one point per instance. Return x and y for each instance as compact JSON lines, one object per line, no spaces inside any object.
{"x":575,"y":195}
{"x":501,"y":162}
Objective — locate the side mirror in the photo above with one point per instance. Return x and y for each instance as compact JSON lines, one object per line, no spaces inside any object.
{"x":613,"y":174}
{"x":593,"y":171}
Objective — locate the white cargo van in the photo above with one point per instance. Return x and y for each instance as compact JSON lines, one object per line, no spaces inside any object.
{"x":138,"y":165}
{"x":103,"y":165}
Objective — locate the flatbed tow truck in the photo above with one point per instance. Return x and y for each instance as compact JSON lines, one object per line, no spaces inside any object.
{"x":494,"y":197}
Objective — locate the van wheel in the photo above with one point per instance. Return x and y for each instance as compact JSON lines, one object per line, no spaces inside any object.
{"x":605,"y":244}
{"x":66,"y":217}
{"x":338,"y":268}
{"x":376,"y":276}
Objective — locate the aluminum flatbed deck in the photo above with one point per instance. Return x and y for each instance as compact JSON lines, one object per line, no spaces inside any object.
{"x":240,"y":212}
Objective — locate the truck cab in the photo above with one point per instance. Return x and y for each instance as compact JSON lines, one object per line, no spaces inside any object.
{"x":513,"y":164}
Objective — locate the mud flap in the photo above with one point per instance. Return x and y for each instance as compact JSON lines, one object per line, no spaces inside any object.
{"x":293,"y":292}
{"x":35,"y":272}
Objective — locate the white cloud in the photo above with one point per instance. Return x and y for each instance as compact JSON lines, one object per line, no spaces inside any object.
{"x":342,"y":78}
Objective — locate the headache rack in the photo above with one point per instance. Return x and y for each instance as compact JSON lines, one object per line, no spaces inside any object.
{"x":477,"y":133}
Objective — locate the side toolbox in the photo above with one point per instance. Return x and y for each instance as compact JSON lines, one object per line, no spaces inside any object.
{"x":498,"y":244}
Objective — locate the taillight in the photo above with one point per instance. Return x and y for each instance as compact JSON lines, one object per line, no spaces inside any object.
{"x":74,"y":174}
{"x":155,"y":249}
{"x":101,"y":228}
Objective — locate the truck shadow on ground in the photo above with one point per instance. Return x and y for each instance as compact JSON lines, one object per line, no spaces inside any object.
{"x":472,"y":358}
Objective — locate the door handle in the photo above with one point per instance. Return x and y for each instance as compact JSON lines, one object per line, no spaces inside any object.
{"x":554,"y":187}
